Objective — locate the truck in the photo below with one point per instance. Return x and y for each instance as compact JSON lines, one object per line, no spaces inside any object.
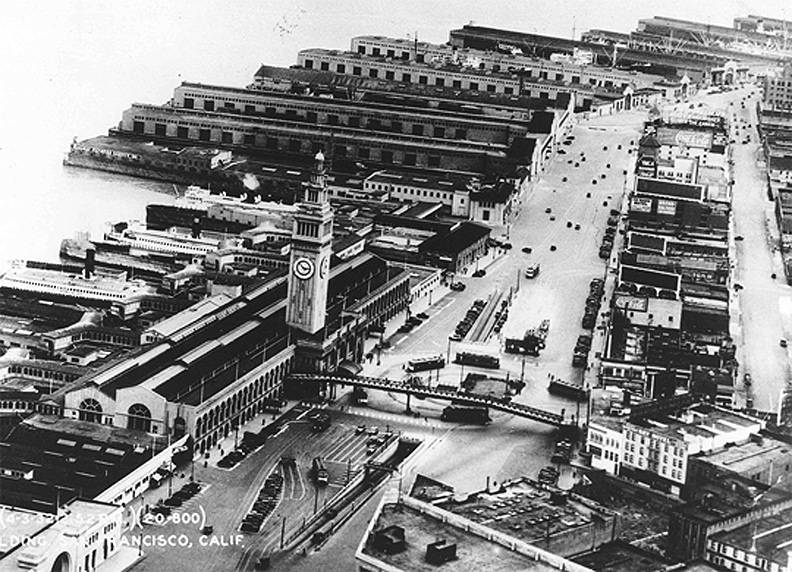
{"x":466,"y":414}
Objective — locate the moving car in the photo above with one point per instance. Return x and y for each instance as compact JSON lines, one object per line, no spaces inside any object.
{"x":532,"y":271}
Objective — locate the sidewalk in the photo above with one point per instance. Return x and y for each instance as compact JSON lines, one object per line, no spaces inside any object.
{"x":234,"y":438}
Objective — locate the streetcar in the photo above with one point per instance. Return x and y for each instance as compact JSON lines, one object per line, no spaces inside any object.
{"x":425,"y":363}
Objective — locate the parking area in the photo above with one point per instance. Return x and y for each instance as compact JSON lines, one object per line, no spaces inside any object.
{"x":274,"y":489}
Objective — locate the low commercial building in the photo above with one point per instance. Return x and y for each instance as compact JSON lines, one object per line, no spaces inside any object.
{"x":492,"y":204}
{"x":456,"y":249}
{"x":406,"y":534}
{"x":780,"y":169}
{"x":761,"y":459}
{"x":764,"y":544}
{"x":557,"y":521}
{"x":86,"y":535}
{"x":449,"y":190}
{"x":719,"y":506}
{"x":69,"y":459}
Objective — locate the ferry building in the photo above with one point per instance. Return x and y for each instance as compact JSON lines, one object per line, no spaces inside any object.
{"x":214,"y":366}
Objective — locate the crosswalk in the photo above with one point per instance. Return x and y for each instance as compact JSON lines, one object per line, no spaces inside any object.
{"x":396,"y":418}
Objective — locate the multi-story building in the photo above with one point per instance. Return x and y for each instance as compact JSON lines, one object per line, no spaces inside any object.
{"x":778,"y":89}
{"x":656,"y":451}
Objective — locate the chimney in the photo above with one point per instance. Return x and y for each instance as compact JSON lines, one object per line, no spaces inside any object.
{"x":196,"y":228}
{"x":88,"y":270}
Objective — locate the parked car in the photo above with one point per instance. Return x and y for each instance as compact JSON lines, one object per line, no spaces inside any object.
{"x":527,"y":249}
{"x":782,"y":343}
{"x":479,"y":273}
{"x":457,"y":286}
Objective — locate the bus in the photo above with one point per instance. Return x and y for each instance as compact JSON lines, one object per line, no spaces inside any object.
{"x":320,"y":471}
{"x":425,"y":363}
{"x":466,"y":414}
{"x":478,"y":360}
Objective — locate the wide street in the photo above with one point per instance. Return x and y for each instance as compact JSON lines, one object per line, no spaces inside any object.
{"x":765,"y":303}
{"x":761,"y":311}
{"x":461,"y":455}
{"x":558,"y":293}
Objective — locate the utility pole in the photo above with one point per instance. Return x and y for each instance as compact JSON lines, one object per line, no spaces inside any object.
{"x":283,"y":530}
{"x":316,"y":498}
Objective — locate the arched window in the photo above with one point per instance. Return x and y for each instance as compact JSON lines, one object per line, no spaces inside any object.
{"x":90,"y":410}
{"x":139,"y":418}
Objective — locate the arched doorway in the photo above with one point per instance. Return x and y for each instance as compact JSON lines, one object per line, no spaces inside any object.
{"x":139,"y":418}
{"x":179,"y":427}
{"x":90,"y":410}
{"x":62,"y":563}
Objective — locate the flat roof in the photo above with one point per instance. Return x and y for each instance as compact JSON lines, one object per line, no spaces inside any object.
{"x":523,"y":508}
{"x":189,"y":315}
{"x":701,"y":420}
{"x":622,"y":556}
{"x":20,"y":524}
{"x":772,"y":534}
{"x":473,"y":552}
{"x":745,"y":457}
{"x":445,"y":182}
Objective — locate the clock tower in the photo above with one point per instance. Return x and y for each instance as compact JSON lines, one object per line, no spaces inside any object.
{"x":312,"y":242}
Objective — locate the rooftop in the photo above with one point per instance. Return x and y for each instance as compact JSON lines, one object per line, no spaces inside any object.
{"x":621,"y":556}
{"x":772,"y":534}
{"x":527,"y":510}
{"x":445,"y":182}
{"x":477,"y":548}
{"x":457,"y":239}
{"x":743,"y":458}
{"x":700,"y":420}
{"x":375,"y":88}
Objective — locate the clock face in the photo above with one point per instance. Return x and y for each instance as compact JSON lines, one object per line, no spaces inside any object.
{"x":324,"y":267}
{"x":303,"y":268}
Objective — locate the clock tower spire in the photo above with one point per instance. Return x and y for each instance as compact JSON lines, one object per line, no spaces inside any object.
{"x":312,"y":242}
